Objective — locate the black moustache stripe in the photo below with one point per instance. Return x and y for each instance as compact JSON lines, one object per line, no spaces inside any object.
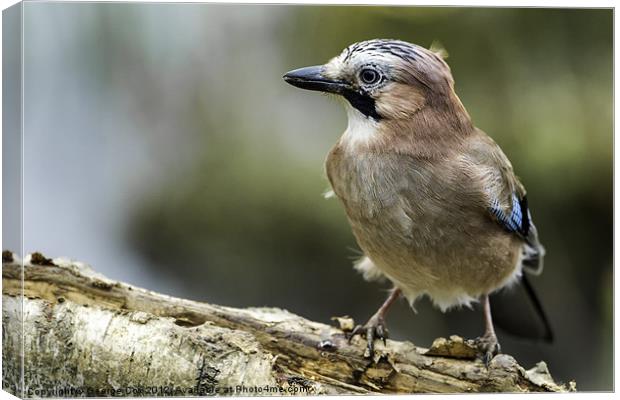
{"x":362,"y":102}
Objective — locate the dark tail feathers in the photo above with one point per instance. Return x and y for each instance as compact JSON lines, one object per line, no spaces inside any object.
{"x":520,"y":312}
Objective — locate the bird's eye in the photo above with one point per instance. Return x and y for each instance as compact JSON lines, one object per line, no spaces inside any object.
{"x":369,"y":76}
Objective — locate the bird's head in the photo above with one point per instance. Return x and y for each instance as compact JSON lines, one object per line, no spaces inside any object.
{"x":381,"y":79}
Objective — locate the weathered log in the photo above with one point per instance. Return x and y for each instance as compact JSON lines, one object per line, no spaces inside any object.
{"x":86,"y":335}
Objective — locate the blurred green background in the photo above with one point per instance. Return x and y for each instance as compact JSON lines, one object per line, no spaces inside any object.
{"x":183,"y":163}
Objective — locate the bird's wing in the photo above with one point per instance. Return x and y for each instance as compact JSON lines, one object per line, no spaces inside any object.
{"x":516,"y":219}
{"x":505,"y":197}
{"x":505,"y":200}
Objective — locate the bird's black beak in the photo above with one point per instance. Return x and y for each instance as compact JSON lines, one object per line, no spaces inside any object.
{"x":311,"y":78}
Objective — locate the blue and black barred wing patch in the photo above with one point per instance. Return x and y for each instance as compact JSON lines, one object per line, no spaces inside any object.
{"x":518,"y":221}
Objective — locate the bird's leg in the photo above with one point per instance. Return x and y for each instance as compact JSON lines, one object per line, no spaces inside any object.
{"x":375,"y":327}
{"x":488,"y":343}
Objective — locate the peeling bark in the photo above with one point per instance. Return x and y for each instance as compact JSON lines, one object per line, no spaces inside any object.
{"x":86,"y":335}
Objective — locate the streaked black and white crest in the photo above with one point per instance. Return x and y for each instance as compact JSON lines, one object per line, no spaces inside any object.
{"x":381,"y":47}
{"x":399,"y":60}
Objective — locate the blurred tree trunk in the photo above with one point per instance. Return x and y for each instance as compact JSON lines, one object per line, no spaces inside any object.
{"x":84,"y":334}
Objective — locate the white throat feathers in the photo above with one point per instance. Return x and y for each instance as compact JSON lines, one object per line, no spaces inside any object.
{"x":361,"y":130}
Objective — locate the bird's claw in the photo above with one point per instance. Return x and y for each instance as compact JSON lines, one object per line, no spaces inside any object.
{"x":373,"y":329}
{"x":489,"y":347}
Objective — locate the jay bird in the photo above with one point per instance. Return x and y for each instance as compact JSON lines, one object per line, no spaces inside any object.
{"x":432,"y":200}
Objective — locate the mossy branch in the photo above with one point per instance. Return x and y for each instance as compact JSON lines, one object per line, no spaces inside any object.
{"x":84,"y":334}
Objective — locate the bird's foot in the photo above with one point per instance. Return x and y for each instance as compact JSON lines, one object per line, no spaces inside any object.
{"x":373,"y":329}
{"x":488,"y":346}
